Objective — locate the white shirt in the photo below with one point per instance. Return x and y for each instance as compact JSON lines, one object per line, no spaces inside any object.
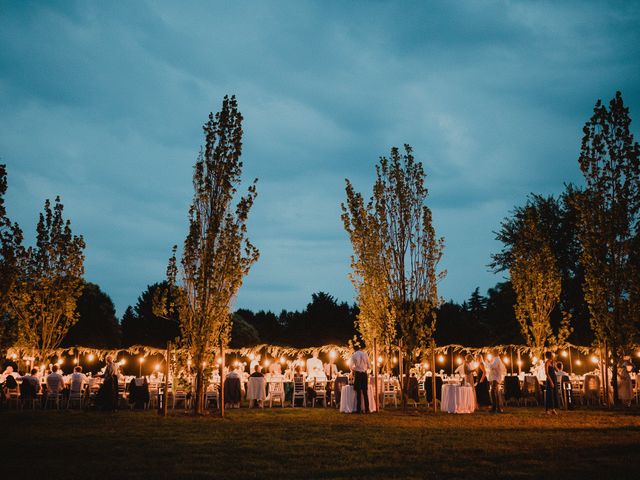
{"x":496,"y":371}
{"x":314,"y":365}
{"x":77,"y":380}
{"x":55,"y":382}
{"x":360,"y":361}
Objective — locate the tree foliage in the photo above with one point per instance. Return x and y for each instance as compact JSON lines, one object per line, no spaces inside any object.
{"x":536,"y":281}
{"x":49,"y":282}
{"x":609,"y":224}
{"x":216,"y":253}
{"x":97,"y":324}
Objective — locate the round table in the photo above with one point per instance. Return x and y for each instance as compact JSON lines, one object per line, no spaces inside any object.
{"x":348,"y":400}
{"x":457,"y":399}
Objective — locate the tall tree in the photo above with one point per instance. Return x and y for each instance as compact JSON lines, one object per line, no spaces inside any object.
{"x":217,"y":253}
{"x":537,"y":282}
{"x":410,"y":249}
{"x":97,"y":324}
{"x":369,"y":277}
{"x":10,"y":250}
{"x":49,"y":283}
{"x":609,"y":224}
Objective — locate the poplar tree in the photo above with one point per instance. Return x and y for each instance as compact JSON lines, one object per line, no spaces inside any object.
{"x":48,"y":283}
{"x":537,"y":283}
{"x":10,"y":249}
{"x":409,"y":250}
{"x":609,"y":214}
{"x":216,"y":254}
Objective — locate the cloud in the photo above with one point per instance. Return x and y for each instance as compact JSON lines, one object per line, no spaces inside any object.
{"x":104,"y":103}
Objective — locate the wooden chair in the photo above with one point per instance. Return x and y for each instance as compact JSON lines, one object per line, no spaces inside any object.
{"x":389,"y":392}
{"x":276,"y":392}
{"x":75,"y":397}
{"x":53,"y":399}
{"x":320,"y":391}
{"x":299,"y":391}
{"x":180,"y":396}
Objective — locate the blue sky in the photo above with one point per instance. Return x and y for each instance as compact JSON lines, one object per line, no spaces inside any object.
{"x":102,"y":103}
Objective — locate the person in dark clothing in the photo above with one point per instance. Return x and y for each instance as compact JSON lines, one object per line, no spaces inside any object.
{"x":551,"y":385}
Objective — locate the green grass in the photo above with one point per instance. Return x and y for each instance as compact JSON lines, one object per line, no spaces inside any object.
{"x":322,"y":443}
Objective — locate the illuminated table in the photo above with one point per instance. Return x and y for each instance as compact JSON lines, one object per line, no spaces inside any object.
{"x":348,"y":400}
{"x":457,"y":399}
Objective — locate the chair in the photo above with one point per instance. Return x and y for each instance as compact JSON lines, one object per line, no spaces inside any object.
{"x":591,"y":389}
{"x":28,"y":395}
{"x":566,"y":392}
{"x":338,"y":383}
{"x":276,"y":391}
{"x":530,"y":390}
{"x":413,"y":392}
{"x":75,"y":397}
{"x":428,"y":384}
{"x":232,"y":392}
{"x":180,"y":396}
{"x":212,"y":395}
{"x":299,"y":391}
{"x":53,"y":398}
{"x":256,"y":391}
{"x":389,"y":392}
{"x":320,"y":390}
{"x":512,"y":392}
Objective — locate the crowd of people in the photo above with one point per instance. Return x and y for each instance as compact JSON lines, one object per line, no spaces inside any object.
{"x":485,"y":373}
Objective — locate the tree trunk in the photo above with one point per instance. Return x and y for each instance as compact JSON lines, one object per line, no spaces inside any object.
{"x":433,"y":375}
{"x":375,"y":371}
{"x":197,"y":401}
{"x":222,"y":380}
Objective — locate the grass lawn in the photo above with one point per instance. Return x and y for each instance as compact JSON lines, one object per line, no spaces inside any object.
{"x":321,"y":443}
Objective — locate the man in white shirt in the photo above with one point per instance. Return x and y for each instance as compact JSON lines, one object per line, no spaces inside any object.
{"x":496,"y":371}
{"x":78,"y":379}
{"x":314,"y":366}
{"x":55,"y":382}
{"x":359,"y":365}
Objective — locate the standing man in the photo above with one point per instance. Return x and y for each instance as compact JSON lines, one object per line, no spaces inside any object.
{"x":496,"y":371}
{"x":359,"y":365}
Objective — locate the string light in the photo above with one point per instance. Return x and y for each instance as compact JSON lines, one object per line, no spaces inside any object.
{"x":252,"y":356}
{"x":534,"y":360}
{"x":282,"y":360}
{"x":563,"y":353}
{"x":14,"y":356}
{"x":332,"y":354}
{"x":157,"y":367}
{"x":519,"y":363}
{"x":122,"y":362}
{"x":506,"y":360}
{"x":204,"y":364}
{"x":267,"y":363}
{"x":578,"y":362}
{"x":141,"y":359}
{"x":594,"y":359}
{"x":489,"y":357}
{"x":380,"y":359}
{"x":60,"y":362}
{"x":75,"y":361}
{"x":458,"y":360}
{"x":395,"y":359}
{"x":440,"y":358}
{"x":219,"y":361}
{"x":91,"y":357}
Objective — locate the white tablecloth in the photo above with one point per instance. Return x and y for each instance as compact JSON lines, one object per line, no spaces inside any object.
{"x":458,"y":399}
{"x":348,"y":401}
{"x":256,"y":388}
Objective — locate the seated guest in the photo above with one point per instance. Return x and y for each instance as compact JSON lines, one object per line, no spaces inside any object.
{"x":30,"y":385}
{"x":299,"y":362}
{"x":257,"y":372}
{"x":78,"y":379}
{"x":9,"y":371}
{"x":560,"y":372}
{"x":55,"y":382}
{"x":330,"y":370}
{"x":314,"y":366}
{"x":254,"y":362}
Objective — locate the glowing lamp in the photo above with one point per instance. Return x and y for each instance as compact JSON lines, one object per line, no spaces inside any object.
{"x":395,"y":360}
{"x":594,"y":359}
{"x":122,"y":362}
{"x":380,"y":359}
{"x":75,"y":361}
{"x":156,"y":367}
{"x":332,"y":354}
{"x":534,"y":359}
{"x":141,"y":359}
{"x":219,"y":361}
{"x":283,"y":360}
{"x":204,"y":364}
{"x":638,"y":354}
{"x":578,"y":362}
{"x":440,"y":358}
{"x":14,"y":356}
{"x":91,"y":357}
{"x":60,"y":362}
{"x":252,"y":356}
{"x":458,"y":361}
{"x":563,"y":353}
{"x":266,"y":363}
{"x":506,"y":360}
{"x":489,"y":357}
{"x":519,"y":363}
